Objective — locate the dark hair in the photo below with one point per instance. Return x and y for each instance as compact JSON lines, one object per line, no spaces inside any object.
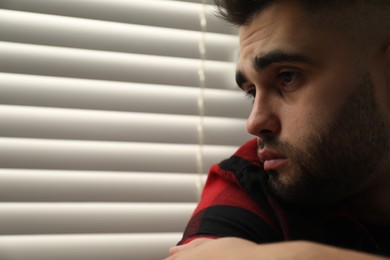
{"x":241,"y":12}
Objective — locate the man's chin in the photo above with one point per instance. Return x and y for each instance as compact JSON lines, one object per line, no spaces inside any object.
{"x":292,"y":191}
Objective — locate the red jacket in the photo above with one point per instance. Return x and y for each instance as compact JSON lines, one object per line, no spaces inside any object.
{"x":236,"y":202}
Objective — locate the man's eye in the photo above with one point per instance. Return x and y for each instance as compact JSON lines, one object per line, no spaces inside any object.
{"x":288,"y":80}
{"x":251,"y":93}
{"x":287,"y":77}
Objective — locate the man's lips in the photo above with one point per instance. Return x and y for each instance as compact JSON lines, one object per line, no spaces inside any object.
{"x":271,"y":160}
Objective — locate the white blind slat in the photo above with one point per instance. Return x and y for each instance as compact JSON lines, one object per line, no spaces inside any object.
{"x":108,"y":156}
{"x":54,"y":123}
{"x":66,"y":62}
{"x":162,"y":13}
{"x":89,"y":186}
{"x":52,"y":30}
{"x":71,"y":218}
{"x":118,"y":96}
{"x":82,"y":247}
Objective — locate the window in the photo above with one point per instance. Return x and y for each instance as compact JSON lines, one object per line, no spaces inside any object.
{"x":111,"y":114}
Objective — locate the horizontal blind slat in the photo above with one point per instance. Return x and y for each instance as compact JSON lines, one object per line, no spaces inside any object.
{"x":83,"y":186}
{"x":107,"y":156}
{"x":52,"y":30}
{"x":54,"y":123}
{"x":31,"y":90}
{"x":70,"y":218}
{"x":82,"y":247}
{"x":164,"y":13}
{"x":92,"y":64}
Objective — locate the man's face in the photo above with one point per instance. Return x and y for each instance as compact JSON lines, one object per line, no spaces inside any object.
{"x":321,"y":134}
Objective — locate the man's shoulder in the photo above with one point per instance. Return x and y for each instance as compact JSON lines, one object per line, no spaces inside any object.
{"x":233,"y":203}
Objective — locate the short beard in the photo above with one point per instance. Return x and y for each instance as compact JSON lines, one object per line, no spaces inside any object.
{"x":339,"y":161}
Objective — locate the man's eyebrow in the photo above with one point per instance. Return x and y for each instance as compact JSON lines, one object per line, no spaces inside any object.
{"x":264,"y":61}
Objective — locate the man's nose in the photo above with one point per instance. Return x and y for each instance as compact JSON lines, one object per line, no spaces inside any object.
{"x":263,"y":120}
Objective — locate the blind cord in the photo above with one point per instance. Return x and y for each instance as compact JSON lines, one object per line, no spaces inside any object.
{"x":201,"y":107}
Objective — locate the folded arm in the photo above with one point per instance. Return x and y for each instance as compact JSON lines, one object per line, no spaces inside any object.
{"x":239,"y":249}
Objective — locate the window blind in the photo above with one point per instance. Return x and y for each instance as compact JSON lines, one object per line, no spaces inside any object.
{"x":111,"y":113}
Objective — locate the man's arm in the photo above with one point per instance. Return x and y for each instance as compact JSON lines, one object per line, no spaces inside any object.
{"x":239,"y":249}
{"x":228,"y":209}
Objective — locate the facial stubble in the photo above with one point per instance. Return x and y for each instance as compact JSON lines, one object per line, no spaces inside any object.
{"x":338,"y":161}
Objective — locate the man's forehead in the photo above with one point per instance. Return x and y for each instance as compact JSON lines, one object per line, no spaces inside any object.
{"x":283,"y":15}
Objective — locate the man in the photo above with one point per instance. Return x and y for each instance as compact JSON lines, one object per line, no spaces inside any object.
{"x":315,"y":184}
